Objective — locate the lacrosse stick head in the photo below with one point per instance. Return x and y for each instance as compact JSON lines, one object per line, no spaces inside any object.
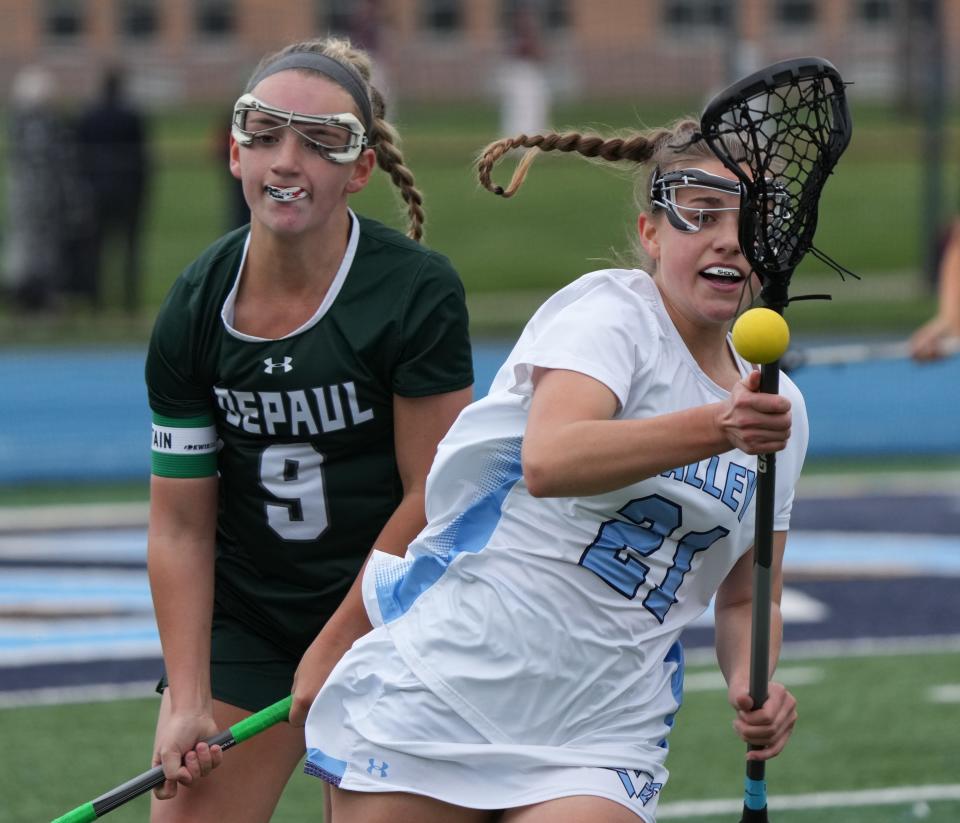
{"x":781,"y":131}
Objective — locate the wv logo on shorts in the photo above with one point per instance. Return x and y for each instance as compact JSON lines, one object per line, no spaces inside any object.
{"x":269,"y":367}
{"x":373,"y":767}
{"x":647,"y":792}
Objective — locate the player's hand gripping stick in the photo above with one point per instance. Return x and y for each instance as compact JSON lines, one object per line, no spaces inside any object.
{"x":141,"y":784}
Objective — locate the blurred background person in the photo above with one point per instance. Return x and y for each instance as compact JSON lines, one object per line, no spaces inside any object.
{"x":40,"y":174}
{"x":366,"y":26}
{"x":524,"y":89}
{"x":929,"y":342}
{"x":112,"y":139}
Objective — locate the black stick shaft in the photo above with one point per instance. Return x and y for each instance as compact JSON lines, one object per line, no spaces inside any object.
{"x":150,"y":779}
{"x":763,"y":555}
{"x":755,"y":787}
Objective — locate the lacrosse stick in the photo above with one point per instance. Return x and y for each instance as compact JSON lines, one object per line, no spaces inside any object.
{"x":780,"y":131}
{"x":237,"y":733}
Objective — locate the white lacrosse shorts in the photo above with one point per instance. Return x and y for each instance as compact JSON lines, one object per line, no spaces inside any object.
{"x":375,"y":727}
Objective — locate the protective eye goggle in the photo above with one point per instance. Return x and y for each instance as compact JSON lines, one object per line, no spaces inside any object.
{"x":668,"y":188}
{"x":331,"y":147}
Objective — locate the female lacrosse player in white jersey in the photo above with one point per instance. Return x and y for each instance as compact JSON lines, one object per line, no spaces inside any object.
{"x":525,"y":657}
{"x":301,"y":373}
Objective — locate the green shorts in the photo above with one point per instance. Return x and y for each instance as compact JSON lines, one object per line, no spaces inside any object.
{"x":246,"y":669}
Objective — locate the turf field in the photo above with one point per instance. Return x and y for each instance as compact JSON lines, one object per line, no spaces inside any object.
{"x":877,"y":740}
{"x":872,"y":746}
{"x":872,"y":642}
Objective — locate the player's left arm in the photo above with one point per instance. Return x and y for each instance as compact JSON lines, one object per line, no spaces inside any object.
{"x":771,"y":725}
{"x":419,"y":425}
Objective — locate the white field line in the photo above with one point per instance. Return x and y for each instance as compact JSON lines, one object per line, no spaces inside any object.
{"x":857,"y":647}
{"x":705,"y":657}
{"x":712,"y":680}
{"x":104,"y":693}
{"x":857,"y":484}
{"x":813,"y":485}
{"x":947,"y":693}
{"x":819,"y":800}
{"x":73,"y":516}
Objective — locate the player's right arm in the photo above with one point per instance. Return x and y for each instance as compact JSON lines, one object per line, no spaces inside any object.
{"x":573,"y":447}
{"x":180,"y":560}
{"x":183,"y":512}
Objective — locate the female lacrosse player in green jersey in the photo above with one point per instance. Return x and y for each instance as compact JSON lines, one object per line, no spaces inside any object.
{"x":301,"y":373}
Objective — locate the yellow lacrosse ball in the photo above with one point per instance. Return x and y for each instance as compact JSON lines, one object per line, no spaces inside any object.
{"x":761,"y":335}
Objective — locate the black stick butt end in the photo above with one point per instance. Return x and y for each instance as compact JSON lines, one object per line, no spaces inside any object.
{"x":754,"y":815}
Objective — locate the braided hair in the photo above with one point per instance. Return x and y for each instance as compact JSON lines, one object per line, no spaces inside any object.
{"x":663,"y":148}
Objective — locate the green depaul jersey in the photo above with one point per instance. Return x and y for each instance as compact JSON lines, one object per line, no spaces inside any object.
{"x":300,"y":429}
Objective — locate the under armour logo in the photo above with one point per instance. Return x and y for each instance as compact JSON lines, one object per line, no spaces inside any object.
{"x":647,"y":792}
{"x":382,"y":768}
{"x":286,"y":365}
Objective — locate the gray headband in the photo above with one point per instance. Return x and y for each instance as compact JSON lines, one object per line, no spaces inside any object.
{"x":344,"y":76}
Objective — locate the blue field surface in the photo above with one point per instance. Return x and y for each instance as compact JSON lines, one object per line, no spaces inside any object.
{"x":67,"y":597}
{"x":82,"y":413}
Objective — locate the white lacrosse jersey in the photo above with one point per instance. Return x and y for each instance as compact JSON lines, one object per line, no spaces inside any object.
{"x":553,"y":622}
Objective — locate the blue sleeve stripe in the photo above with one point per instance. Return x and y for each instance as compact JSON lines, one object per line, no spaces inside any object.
{"x":469,"y":532}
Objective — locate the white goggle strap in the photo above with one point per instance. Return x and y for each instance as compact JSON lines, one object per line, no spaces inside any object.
{"x":336,"y":154}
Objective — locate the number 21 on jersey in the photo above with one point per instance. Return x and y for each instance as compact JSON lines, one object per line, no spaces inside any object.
{"x":615,"y":555}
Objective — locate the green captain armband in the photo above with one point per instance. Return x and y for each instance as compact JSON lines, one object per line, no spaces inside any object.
{"x":184,"y":446}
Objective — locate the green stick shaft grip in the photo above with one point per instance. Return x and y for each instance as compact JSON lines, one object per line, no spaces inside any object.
{"x":81,"y":814}
{"x":263,"y":719}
